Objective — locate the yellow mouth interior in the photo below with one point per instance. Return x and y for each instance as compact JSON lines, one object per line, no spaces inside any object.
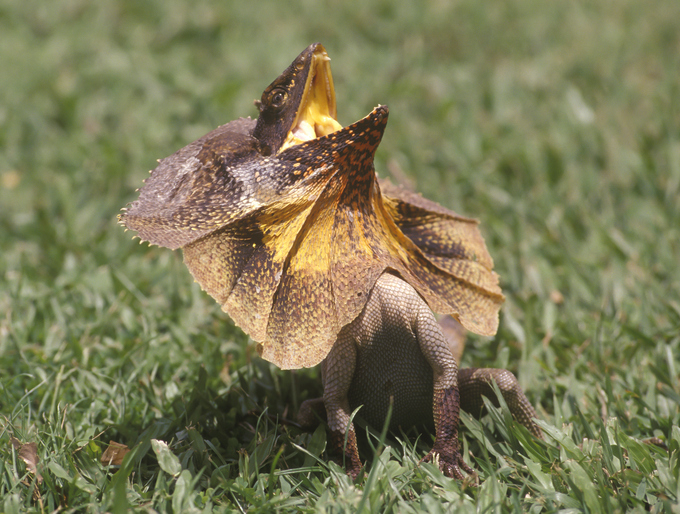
{"x":317,"y":114}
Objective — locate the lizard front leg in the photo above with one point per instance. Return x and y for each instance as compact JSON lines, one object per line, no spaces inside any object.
{"x":337,"y":373}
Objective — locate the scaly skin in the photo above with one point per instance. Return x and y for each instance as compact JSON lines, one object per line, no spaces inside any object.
{"x":395,"y":351}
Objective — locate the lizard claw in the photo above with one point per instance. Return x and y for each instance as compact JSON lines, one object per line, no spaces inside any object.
{"x":450,"y":463}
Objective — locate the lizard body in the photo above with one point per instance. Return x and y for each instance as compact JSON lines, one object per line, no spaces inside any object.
{"x":284,"y":222}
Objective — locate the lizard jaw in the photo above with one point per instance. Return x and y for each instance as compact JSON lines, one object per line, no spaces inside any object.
{"x":317,"y":114}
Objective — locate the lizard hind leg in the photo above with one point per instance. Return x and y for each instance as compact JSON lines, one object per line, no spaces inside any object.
{"x":406,"y":303}
{"x":342,"y":442}
{"x":338,"y":372}
{"x":475,"y":383}
{"x":311,"y":412}
{"x":446,"y":444}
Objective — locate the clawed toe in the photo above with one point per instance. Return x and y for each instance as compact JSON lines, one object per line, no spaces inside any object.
{"x":451,"y":465}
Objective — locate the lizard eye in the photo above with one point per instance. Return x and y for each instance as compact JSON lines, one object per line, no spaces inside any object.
{"x":277,"y":98}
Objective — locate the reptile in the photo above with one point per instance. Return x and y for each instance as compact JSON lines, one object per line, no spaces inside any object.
{"x":284,"y":222}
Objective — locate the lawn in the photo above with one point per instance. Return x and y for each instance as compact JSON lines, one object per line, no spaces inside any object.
{"x":557,"y":124}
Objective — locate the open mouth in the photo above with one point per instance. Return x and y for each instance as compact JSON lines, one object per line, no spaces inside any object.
{"x":317,"y":114}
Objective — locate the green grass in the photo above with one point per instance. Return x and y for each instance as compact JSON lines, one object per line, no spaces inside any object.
{"x":555,"y":123}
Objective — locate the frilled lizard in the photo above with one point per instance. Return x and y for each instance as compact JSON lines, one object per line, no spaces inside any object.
{"x":283,"y":221}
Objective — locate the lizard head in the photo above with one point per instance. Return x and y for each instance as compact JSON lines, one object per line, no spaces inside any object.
{"x":299,"y":105}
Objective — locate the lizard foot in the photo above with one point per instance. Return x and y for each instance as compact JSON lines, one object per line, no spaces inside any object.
{"x":350,"y":451}
{"x":450,"y":463}
{"x":353,"y":472}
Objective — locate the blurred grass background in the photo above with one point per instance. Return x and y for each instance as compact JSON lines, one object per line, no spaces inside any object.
{"x":556,"y":124}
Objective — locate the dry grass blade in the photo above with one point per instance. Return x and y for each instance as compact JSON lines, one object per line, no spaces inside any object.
{"x":114,"y":454}
{"x":28,"y":452}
